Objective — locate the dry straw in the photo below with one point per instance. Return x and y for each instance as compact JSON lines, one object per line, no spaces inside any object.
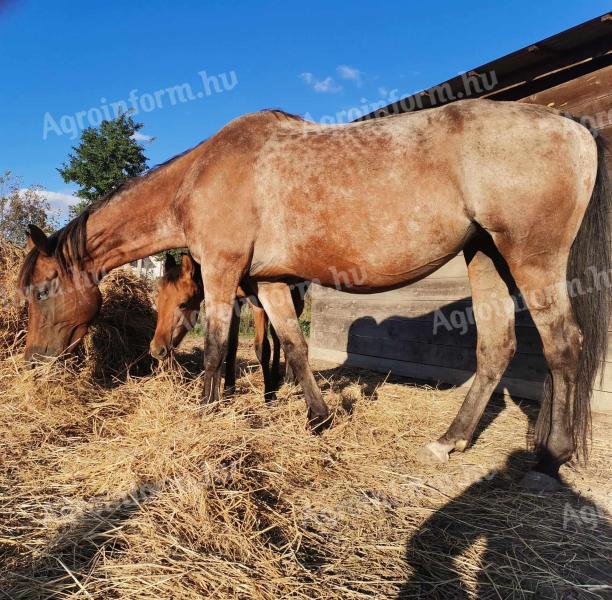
{"x":12,"y":309}
{"x":136,"y":491}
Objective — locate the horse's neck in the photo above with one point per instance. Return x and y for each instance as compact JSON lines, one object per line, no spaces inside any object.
{"x":139,"y":222}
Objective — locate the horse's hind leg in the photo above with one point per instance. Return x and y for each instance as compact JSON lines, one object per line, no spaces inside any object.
{"x":545,"y":290}
{"x":494,"y":313}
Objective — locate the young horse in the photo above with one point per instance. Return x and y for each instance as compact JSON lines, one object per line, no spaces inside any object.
{"x":521,"y":189}
{"x":179,"y":296}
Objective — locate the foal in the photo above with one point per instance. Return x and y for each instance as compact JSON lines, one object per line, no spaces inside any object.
{"x":178,"y":302}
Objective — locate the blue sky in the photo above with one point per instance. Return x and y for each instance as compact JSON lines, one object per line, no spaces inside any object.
{"x":60,"y":58}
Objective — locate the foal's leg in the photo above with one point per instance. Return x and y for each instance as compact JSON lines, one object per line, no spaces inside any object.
{"x":277,"y":302}
{"x":262,"y":349}
{"x":276,"y":349}
{"x":494,"y":313}
{"x":232,"y":350}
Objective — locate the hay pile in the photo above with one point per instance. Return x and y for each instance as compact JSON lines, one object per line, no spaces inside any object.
{"x":118,"y":341}
{"x":12,"y":309}
{"x":137,"y":492}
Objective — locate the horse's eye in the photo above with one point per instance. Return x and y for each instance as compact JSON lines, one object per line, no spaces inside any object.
{"x":183,"y":305}
{"x":42,"y":295}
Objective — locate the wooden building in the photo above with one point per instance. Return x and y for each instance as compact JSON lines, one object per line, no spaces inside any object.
{"x":426,"y":331}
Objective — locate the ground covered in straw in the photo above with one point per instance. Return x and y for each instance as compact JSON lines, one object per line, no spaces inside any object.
{"x":131,"y":489}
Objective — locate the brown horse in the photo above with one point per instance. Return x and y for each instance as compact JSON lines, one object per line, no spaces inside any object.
{"x":271,"y":197}
{"x":180,"y":293}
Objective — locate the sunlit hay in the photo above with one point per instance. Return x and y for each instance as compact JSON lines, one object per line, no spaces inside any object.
{"x":13,"y":314}
{"x":140,"y":492}
{"x":118,"y":341}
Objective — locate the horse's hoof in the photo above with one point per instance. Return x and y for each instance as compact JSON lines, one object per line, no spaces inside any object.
{"x":270,"y":397}
{"x":535,"y":481}
{"x":433,"y":453}
{"x":319,"y":423}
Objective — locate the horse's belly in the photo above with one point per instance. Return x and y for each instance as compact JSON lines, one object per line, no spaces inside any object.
{"x":350,"y":262}
{"x":374,"y":273}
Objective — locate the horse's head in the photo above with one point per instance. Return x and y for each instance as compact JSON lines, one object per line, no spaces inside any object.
{"x":62,"y":298}
{"x":178,"y":304}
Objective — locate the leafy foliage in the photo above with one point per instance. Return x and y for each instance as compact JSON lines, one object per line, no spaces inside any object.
{"x":104,"y":159}
{"x":175,"y":252}
{"x":21,"y":206}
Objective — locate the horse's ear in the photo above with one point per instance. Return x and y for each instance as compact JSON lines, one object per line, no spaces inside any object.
{"x":29,"y":243}
{"x":187,"y":266}
{"x":37,"y":237}
{"x":169,"y":263}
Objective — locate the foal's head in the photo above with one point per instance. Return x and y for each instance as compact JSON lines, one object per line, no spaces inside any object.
{"x":178,"y":304}
{"x":63,"y":297}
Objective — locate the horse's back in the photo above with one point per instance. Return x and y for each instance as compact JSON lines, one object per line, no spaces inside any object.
{"x":399,"y":196}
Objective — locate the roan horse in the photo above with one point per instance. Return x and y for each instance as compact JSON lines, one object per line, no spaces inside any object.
{"x":179,"y":296}
{"x":274,"y":198}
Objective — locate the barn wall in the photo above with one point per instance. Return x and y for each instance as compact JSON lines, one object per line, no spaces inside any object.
{"x":426,"y":330}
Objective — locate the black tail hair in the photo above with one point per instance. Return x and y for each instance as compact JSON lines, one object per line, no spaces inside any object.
{"x":589,"y":263}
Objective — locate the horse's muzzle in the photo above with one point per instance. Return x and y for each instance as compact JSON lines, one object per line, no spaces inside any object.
{"x":38,"y":354}
{"x":158,"y":352}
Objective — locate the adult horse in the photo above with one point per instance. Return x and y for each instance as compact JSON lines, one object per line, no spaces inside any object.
{"x":275,"y":198}
{"x":179,"y":296}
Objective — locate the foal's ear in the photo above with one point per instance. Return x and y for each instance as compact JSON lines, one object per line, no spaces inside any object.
{"x":37,"y":237}
{"x":187,"y":266}
{"x":169,"y":263}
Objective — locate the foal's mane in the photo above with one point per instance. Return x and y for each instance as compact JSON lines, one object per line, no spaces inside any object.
{"x":69,"y":244}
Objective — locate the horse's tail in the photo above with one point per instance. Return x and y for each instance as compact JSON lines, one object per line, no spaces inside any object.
{"x":588,"y":271}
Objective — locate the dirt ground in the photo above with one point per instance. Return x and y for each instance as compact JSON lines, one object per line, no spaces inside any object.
{"x":134,"y":490}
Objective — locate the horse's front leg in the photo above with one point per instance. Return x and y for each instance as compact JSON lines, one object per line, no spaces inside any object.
{"x":220,"y":286}
{"x":276,"y":301}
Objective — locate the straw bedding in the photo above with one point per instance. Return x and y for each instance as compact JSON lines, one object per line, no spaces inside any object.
{"x":136,"y":491}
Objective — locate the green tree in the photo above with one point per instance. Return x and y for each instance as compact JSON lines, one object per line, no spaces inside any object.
{"x":104,"y":159}
{"x":21,"y":206}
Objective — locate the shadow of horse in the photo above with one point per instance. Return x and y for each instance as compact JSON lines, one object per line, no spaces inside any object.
{"x":496,"y":541}
{"x":91,"y":529}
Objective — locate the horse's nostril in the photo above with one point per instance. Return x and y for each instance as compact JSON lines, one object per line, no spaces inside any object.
{"x":159,"y":352}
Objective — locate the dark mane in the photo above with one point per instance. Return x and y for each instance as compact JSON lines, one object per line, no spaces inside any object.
{"x":69,"y":244}
{"x":284,"y":113}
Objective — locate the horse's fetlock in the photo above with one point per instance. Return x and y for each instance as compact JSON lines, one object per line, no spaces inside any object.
{"x":461,"y":445}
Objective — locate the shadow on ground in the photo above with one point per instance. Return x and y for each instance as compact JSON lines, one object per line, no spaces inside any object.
{"x":55,"y":570}
{"x":497,"y":541}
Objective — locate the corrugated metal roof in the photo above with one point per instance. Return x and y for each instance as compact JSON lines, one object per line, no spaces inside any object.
{"x":569,"y":54}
